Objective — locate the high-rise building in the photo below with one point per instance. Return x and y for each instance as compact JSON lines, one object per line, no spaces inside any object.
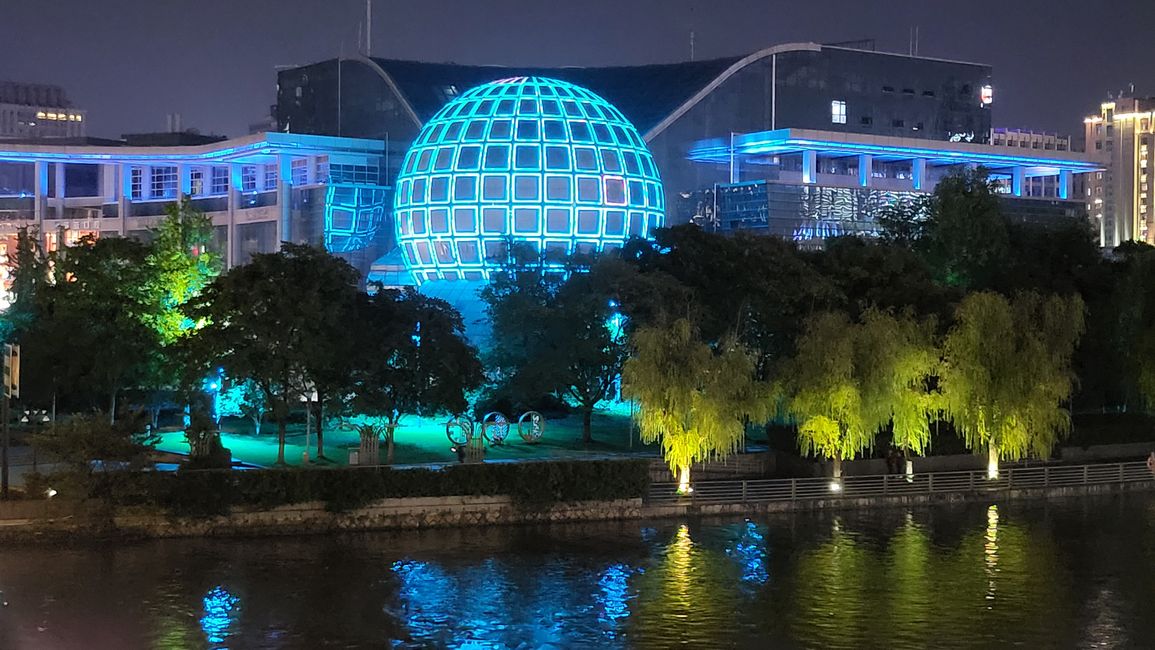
{"x":31,"y":111}
{"x":1119,"y":198}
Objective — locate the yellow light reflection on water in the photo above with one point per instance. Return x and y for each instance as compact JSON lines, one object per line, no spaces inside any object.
{"x":991,"y":552}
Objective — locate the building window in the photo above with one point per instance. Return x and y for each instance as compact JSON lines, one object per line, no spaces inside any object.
{"x":220,"y":181}
{"x":300,"y":171}
{"x":322,"y":170}
{"x":248,"y":178}
{"x":838,"y":111}
{"x":898,"y":123}
{"x":136,"y":186}
{"x":163,"y":185}
{"x":271,"y":176}
{"x":196,"y":181}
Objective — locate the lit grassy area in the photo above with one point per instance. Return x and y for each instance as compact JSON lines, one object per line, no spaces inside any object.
{"x":423,"y":440}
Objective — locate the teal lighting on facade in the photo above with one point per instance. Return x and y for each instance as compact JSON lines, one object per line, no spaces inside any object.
{"x":526,"y":160}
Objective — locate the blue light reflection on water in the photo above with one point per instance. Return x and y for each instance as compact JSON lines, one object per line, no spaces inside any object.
{"x":614,"y":597}
{"x":482,"y":604}
{"x":749,"y":550}
{"x":220,"y":609}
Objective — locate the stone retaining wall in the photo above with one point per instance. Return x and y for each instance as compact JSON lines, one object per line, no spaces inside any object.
{"x":444,"y":512}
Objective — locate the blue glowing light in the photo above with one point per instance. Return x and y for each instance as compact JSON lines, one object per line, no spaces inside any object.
{"x":615,"y":596}
{"x":220,"y":611}
{"x":353,"y":216}
{"x":749,"y":551}
{"x":527,"y":159}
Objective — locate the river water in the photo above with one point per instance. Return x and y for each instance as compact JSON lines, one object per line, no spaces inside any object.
{"x":1072,"y":573}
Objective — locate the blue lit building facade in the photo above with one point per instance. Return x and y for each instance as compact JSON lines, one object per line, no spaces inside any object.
{"x":537,"y":161}
{"x":843,"y":89}
{"x":259,"y":190}
{"x":808,"y":185}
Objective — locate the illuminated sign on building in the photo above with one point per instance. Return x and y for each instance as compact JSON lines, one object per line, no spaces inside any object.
{"x":527,"y":159}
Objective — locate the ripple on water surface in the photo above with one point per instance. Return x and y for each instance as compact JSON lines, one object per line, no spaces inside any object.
{"x":1075,"y":573}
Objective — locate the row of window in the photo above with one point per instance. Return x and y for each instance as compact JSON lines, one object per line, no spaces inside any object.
{"x":164,"y":182}
{"x":580,"y":222}
{"x":531,"y":129}
{"x":611,"y":190}
{"x":529,"y":157}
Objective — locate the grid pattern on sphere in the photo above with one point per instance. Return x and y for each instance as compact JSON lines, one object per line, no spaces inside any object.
{"x":534,"y":160}
{"x":353,"y":216}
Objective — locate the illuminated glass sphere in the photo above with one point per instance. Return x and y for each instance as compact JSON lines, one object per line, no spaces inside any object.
{"x":525,"y":159}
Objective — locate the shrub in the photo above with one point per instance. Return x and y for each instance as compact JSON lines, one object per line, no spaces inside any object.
{"x":531,"y":485}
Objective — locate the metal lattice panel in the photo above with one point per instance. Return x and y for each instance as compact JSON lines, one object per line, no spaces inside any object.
{"x":534,"y":160}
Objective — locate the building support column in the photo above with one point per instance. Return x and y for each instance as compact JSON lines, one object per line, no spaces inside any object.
{"x":234,"y":204}
{"x":124,"y":201}
{"x":58,"y":192}
{"x":40,"y":200}
{"x":284,"y":185}
{"x":809,"y":166}
{"x":865,"y":170}
{"x":1017,"y":178}
{"x":183,"y":181}
{"x":918,"y":174}
{"x":1064,"y":188}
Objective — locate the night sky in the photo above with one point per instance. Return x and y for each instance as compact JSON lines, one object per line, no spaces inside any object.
{"x":129,"y":62}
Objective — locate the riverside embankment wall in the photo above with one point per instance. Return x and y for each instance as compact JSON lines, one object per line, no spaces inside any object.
{"x":39,"y":520}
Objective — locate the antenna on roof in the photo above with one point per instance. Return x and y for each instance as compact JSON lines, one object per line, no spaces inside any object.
{"x":913,"y":41}
{"x":691,"y":45}
{"x":368,"y":27}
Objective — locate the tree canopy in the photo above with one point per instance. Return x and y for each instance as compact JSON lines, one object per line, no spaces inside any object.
{"x":692,"y":399}
{"x":1006,"y":372}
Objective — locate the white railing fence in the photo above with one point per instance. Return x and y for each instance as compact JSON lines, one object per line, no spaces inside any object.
{"x":885,"y":485}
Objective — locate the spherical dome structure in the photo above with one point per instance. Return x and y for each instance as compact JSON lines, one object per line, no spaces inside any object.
{"x":525,"y":159}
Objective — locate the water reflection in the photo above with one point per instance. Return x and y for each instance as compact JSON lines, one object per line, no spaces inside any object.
{"x":219,"y":614}
{"x":614,"y":597}
{"x":988,"y":576}
{"x":749,"y":551}
{"x":991,"y":549}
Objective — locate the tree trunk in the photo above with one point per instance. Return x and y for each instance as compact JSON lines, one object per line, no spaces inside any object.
{"x":587,"y":416}
{"x":837,"y":466}
{"x":112,"y":407}
{"x":320,"y":428}
{"x":257,"y":423}
{"x":684,"y":480}
{"x":992,"y":461}
{"x":389,"y":442}
{"x":281,"y":441}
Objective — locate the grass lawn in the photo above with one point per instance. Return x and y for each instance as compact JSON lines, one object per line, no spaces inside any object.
{"x":423,"y":440}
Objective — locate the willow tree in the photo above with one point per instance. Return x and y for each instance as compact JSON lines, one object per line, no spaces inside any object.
{"x":823,"y":390}
{"x":896,"y":360}
{"x":693,"y":399}
{"x":1007,"y":372}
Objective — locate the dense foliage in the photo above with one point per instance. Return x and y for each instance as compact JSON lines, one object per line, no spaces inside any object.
{"x":530,"y":485}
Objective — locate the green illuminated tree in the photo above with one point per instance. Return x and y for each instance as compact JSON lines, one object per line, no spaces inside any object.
{"x":896,"y":359}
{"x":413,"y":359}
{"x":824,"y":392}
{"x":243,"y":399}
{"x":563,"y":334}
{"x":278,"y":321}
{"x":1007,"y":372}
{"x":691,"y":398}
{"x":849,"y":381}
{"x":183,"y":263}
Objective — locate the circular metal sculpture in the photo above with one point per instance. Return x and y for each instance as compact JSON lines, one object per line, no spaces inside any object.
{"x":459,"y":430}
{"x":531,"y":426}
{"x":530,"y":160}
{"x":495,"y":427}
